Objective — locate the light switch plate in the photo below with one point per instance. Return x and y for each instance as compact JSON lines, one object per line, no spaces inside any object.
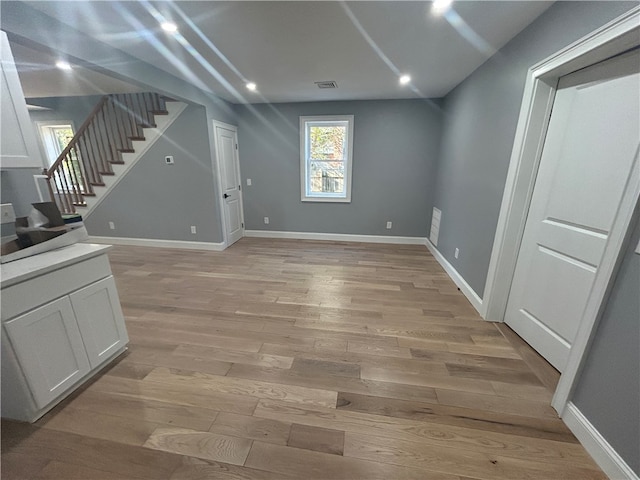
{"x":168,"y":160}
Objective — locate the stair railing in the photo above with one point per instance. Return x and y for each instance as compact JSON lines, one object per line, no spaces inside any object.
{"x":107,"y":132}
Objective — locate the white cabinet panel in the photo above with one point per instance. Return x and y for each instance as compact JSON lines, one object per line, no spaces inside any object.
{"x":100,"y":320}
{"x":49,"y":346}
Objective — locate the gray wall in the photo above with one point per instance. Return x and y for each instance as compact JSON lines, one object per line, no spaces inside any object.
{"x":161,"y":201}
{"x":480,"y":122}
{"x":396,"y":143}
{"x":18,"y":188}
{"x":608,"y":392}
{"x":76,"y":109}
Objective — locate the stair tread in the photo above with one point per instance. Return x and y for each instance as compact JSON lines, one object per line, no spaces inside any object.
{"x":97,"y":184}
{"x":107,"y":173}
{"x":116,"y":162}
{"x":141,"y":139}
{"x":159,"y":112}
{"x":126,"y":150}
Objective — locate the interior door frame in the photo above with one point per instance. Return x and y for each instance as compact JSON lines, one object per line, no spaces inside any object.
{"x":223,"y":214}
{"x":614,"y":38}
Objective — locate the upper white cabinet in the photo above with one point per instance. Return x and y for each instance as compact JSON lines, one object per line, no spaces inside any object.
{"x":18,"y":145}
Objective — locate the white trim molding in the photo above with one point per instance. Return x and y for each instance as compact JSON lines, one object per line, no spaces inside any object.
{"x":460,"y":282}
{"x":612,"y":39}
{"x":153,"y":242}
{"x":612,"y":464}
{"x":336,"y":237}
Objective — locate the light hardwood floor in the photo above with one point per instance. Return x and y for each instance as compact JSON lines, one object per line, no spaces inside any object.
{"x":282,"y":359}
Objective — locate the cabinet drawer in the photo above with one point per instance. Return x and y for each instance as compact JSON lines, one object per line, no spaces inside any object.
{"x":24,"y":296}
{"x":49,"y":347}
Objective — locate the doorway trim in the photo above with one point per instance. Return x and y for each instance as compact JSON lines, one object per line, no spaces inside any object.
{"x":218,"y":171}
{"x":614,"y":38}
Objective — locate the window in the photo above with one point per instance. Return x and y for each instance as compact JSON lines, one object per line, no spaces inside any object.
{"x":55,"y":137}
{"x":326,"y":148}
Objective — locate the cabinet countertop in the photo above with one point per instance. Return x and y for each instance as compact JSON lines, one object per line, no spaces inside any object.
{"x":21,"y":270}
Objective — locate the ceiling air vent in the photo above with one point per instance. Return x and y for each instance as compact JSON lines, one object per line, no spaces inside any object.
{"x":328,"y":84}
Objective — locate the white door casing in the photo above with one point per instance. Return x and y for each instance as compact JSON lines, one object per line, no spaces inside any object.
{"x":618,"y":36}
{"x":226,"y":140}
{"x":591,"y":147}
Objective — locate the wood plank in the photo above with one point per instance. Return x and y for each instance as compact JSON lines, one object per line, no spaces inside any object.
{"x":199,"y":469}
{"x":434,"y":381}
{"x":243,"y":386}
{"x":68,"y":471}
{"x":21,"y":466}
{"x":532,"y":444}
{"x":334,"y":383}
{"x":452,"y":461}
{"x":233,"y":356}
{"x":88,"y":423}
{"x":162,"y":358}
{"x":301,"y":463}
{"x":210,"y":446}
{"x":492,"y":374}
{"x":309,"y":366}
{"x":125,"y":460}
{"x":265,"y":430}
{"x":552,"y":429}
{"x":495,"y":403}
{"x":196,"y":418}
{"x":186,"y":395}
{"x":317,"y":439}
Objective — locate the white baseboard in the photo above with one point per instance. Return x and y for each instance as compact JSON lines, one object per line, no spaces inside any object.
{"x":461,"y":283}
{"x":152,"y":242}
{"x":336,"y":237}
{"x":602,"y":452}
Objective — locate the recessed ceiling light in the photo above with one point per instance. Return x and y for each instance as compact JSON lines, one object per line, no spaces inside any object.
{"x":404,"y":79}
{"x":251,"y":86}
{"x":169,"y":27}
{"x":440,"y":6}
{"x":62,"y":65}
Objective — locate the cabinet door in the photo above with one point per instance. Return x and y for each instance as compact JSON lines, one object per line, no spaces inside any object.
{"x":100,"y":320}
{"x":49,"y":347}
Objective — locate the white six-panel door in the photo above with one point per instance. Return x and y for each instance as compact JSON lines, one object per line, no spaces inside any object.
{"x":226,"y":146}
{"x":591,"y":145}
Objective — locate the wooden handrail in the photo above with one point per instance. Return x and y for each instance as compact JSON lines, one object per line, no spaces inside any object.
{"x":78,"y":134}
{"x":108,"y":130}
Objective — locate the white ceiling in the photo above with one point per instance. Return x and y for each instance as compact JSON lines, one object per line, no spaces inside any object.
{"x":40,"y":78}
{"x":286,"y":46}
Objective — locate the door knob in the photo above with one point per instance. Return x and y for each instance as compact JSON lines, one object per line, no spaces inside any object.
{"x":226,"y":195}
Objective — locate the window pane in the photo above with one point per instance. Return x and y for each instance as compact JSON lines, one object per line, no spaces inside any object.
{"x":327,"y":142}
{"x":326,"y":177}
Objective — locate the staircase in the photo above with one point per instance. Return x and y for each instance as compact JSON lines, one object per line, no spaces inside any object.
{"x":112,"y":139}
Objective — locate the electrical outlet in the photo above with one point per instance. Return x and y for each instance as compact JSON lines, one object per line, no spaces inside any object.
{"x":168,"y":160}
{"x":248,"y":182}
{"x":456,"y":253}
{"x":193,"y":229}
{"x":389,"y":225}
{"x":112,"y":225}
{"x":266,"y":220}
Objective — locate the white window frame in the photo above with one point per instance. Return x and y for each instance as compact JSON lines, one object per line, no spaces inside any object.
{"x":47,"y":142}
{"x":306,"y":196}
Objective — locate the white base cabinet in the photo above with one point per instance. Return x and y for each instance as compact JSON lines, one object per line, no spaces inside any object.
{"x":52,"y":348}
